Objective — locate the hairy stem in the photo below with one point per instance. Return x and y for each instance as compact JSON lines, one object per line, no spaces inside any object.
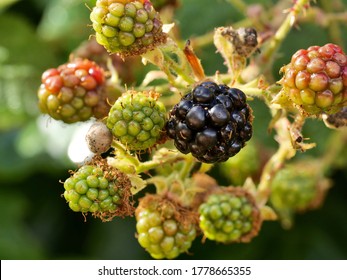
{"x":268,"y":53}
{"x":275,"y":163}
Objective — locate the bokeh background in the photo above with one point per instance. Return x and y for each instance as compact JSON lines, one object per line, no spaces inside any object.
{"x":37,"y":152}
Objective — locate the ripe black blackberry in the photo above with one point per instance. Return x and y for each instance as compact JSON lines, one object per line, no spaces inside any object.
{"x":213,"y":122}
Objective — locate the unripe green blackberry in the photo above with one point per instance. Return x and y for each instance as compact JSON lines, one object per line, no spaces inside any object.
{"x":137,"y":119}
{"x":230,"y":215}
{"x":73,"y":92}
{"x":164,"y":228}
{"x":315,"y":81}
{"x":127,"y":27}
{"x":295,"y":188}
{"x":104,"y":192}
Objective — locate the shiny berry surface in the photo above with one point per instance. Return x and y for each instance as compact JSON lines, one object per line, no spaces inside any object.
{"x":315,"y":80}
{"x":213,"y":122}
{"x":73,"y":91}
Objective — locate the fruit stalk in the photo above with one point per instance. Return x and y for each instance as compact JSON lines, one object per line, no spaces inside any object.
{"x":282,"y":32}
{"x":274,"y":164}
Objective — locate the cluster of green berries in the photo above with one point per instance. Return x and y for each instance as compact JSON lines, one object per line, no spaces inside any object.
{"x":230,"y":215}
{"x":164,"y":228}
{"x":297,"y":187}
{"x":293,"y":188}
{"x":137,"y":119}
{"x":213,"y":122}
{"x":127,"y":27}
{"x":315,"y":81}
{"x":73,"y":92}
{"x":92,"y":189}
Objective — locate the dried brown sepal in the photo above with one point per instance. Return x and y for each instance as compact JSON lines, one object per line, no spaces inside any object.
{"x":168,"y":207}
{"x":122,"y":184}
{"x":337,"y":120}
{"x":194,"y":61}
{"x":205,"y":185}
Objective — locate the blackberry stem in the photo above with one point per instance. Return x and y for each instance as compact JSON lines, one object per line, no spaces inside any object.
{"x":275,"y":42}
{"x":275,"y":163}
{"x":148,"y":165}
{"x":334,"y":147}
{"x":333,"y":26}
{"x":240,"y":5}
{"x":187,"y":167}
{"x":121,"y":149}
{"x":162,"y":58}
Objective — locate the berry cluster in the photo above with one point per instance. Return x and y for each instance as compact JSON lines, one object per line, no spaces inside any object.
{"x":92,"y":189}
{"x":137,"y":119}
{"x":316,"y":79}
{"x":164,"y":228}
{"x":73,"y":92}
{"x":293,"y":188}
{"x":230,"y":215}
{"x":213,"y":122}
{"x":127,"y":27}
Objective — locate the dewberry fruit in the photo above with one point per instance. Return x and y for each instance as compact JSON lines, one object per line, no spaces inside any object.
{"x":165,"y":229}
{"x":297,"y":188}
{"x":127,"y":27}
{"x":104,"y":192}
{"x":294,"y":188}
{"x":230,"y":215}
{"x":137,"y":119}
{"x":315,"y":81}
{"x":74,"y":92}
{"x":99,"y":138}
{"x":213,"y":122}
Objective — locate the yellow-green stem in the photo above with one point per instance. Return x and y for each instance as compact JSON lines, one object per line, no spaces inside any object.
{"x":187,"y":167}
{"x":333,"y":26}
{"x":240,"y":5}
{"x":148,"y":165}
{"x":122,"y":151}
{"x":335,"y":144}
{"x":274,"y":164}
{"x":282,"y":32}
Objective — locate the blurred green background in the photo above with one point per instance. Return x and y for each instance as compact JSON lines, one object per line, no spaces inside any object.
{"x":36,"y":223}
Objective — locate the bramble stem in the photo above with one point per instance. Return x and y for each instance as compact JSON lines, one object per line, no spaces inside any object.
{"x":240,"y":5}
{"x":335,"y":144}
{"x":151,"y":164}
{"x":274,"y":164}
{"x":333,"y":27}
{"x":187,"y":167}
{"x":282,"y":32}
{"x":162,"y":58}
{"x":123,"y":152}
